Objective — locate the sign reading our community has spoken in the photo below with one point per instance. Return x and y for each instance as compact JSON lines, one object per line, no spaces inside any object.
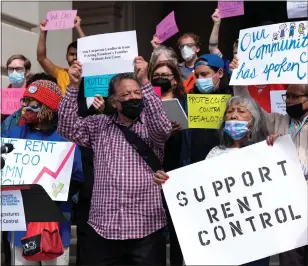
{"x":240,"y":206}
{"x":206,"y":110}
{"x":274,"y":54}
{"x":30,"y":163}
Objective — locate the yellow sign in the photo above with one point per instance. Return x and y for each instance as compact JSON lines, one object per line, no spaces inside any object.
{"x":206,"y":110}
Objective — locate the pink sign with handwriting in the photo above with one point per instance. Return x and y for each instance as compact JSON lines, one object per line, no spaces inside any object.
{"x":60,"y":19}
{"x":157,"y":90}
{"x":230,"y":8}
{"x":11,"y":100}
{"x":167,"y":28}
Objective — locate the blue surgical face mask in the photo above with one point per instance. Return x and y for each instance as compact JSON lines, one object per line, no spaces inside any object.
{"x":17,"y":78}
{"x":205,"y":85}
{"x":236,"y":129}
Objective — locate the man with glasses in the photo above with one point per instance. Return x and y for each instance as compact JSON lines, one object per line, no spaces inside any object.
{"x":189,"y":45}
{"x":18,"y":69}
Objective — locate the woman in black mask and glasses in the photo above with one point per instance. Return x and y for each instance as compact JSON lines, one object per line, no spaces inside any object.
{"x":166,"y":75}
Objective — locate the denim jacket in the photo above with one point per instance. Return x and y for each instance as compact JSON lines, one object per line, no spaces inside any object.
{"x":11,"y":122}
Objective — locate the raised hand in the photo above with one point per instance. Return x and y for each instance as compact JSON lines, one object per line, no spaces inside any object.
{"x":141,"y":69}
{"x":74,"y":73}
{"x":216,"y":17}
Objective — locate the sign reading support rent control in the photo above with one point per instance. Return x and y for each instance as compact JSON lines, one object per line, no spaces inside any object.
{"x":274,"y":54}
{"x":12,"y":211}
{"x":206,"y":110}
{"x":48,"y":163}
{"x":250,"y":197}
{"x":108,"y":53}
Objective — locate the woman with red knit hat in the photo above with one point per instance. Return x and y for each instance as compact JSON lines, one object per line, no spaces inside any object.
{"x":41,"y":100}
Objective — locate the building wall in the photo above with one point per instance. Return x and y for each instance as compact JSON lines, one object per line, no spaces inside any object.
{"x":20,"y":31}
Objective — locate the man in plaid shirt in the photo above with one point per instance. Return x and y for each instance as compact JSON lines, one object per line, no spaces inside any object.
{"x":127,"y":218}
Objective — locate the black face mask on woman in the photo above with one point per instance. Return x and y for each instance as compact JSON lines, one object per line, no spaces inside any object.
{"x":132,"y":108}
{"x":296,"y":110}
{"x":164,"y":84}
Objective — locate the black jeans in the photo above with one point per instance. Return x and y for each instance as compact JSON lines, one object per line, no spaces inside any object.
{"x":295,"y":257}
{"x":6,"y":248}
{"x":150,"y":250}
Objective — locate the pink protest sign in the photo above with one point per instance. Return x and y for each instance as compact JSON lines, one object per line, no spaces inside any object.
{"x":157,"y":90}
{"x":166,"y":28}
{"x":230,"y":8}
{"x":60,"y":19}
{"x":11,"y":100}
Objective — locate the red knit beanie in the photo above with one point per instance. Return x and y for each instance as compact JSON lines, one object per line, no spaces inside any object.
{"x":46,"y":92}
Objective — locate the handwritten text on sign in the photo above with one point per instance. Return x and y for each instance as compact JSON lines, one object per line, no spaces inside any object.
{"x":11,"y":100}
{"x":61,"y":19}
{"x":230,"y":8}
{"x":12,"y":211}
{"x":94,"y":85}
{"x":30,"y":163}
{"x":107,"y":53}
{"x":228,"y":208}
{"x":167,"y":28}
{"x":206,"y":110}
{"x":274,"y":54}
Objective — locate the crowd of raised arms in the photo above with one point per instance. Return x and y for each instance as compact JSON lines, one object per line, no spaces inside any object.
{"x":126,"y":143}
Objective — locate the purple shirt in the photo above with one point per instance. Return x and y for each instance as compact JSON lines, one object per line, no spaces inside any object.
{"x":126,"y":204}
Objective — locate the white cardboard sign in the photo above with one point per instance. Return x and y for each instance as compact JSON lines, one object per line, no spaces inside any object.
{"x":108,"y":53}
{"x":277,"y":103}
{"x":274,"y":54}
{"x":12,"y":211}
{"x":225,"y":206}
{"x":47,"y":163}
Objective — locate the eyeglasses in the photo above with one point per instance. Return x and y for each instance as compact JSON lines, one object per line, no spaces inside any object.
{"x":164,"y":76}
{"x":190,"y":45}
{"x":34,"y":108}
{"x":17,"y":69}
{"x":292,"y":96}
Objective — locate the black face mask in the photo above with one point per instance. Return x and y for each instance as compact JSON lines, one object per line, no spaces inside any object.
{"x":132,"y":108}
{"x":296,"y":110}
{"x":164,"y":84}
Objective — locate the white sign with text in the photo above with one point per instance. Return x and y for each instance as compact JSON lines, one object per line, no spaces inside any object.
{"x":108,"y":53}
{"x":224,"y":207}
{"x":274,"y":54}
{"x":12,"y":211}
{"x":277,"y":103}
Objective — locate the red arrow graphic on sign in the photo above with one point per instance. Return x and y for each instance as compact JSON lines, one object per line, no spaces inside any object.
{"x":54,"y":175}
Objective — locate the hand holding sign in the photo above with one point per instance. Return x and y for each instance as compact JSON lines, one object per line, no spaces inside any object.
{"x":99,"y":103}
{"x":155,"y":42}
{"x":216,"y":16}
{"x":74,"y":73}
{"x":141,"y":69}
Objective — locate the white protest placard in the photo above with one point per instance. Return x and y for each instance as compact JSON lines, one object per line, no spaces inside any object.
{"x":108,"y":53}
{"x":297,"y":9}
{"x":47,"y":163}
{"x":12,"y":211}
{"x":240,"y":206}
{"x":274,"y":54}
{"x":277,"y":103}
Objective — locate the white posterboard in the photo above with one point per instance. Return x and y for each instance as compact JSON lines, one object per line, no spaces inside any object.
{"x":240,"y":206}
{"x":297,"y":9}
{"x":277,"y":103}
{"x":274,"y":54}
{"x":108,"y":53}
{"x":47,"y":163}
{"x":175,"y":112}
{"x":12,"y":211}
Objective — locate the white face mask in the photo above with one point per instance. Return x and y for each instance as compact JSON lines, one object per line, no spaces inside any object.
{"x":187,"y":53}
